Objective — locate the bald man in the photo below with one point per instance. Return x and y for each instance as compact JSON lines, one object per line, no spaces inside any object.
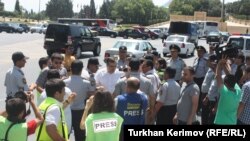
{"x":132,"y":105}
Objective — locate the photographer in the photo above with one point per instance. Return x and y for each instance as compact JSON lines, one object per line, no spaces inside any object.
{"x":230,"y":93}
{"x":16,"y":113}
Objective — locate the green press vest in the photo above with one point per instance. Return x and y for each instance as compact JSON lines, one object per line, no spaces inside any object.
{"x":61,"y":128}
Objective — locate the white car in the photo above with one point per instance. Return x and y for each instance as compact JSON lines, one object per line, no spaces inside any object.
{"x":187,"y":48}
{"x":137,"y":48}
{"x":39,"y":28}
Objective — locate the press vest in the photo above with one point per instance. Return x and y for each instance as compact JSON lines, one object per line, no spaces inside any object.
{"x":103,"y":126}
{"x":132,"y":108}
{"x":61,"y":128}
{"x":16,"y":131}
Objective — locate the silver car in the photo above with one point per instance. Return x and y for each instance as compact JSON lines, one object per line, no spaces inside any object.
{"x":136,"y":48}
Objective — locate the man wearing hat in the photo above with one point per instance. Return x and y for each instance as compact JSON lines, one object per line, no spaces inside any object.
{"x":14,"y":79}
{"x":210,"y":75}
{"x":92,"y":67}
{"x":122,"y":62}
{"x":200,"y":68}
{"x":175,"y":62}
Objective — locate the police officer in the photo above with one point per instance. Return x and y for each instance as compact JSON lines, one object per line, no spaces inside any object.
{"x":122,"y":62}
{"x":175,"y":62}
{"x":200,"y":68}
{"x":14,"y":79}
{"x":92,"y":67}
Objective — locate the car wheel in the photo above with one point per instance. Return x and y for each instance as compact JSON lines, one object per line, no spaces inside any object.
{"x":97,"y":50}
{"x":11,"y":31}
{"x":144,"y":38}
{"x":125,"y":37}
{"x":40,"y":32}
{"x":192,"y":54}
{"x":78,"y":52}
{"x":31,"y":32}
{"x":186,"y":55}
{"x":112,"y":36}
{"x":153,"y":37}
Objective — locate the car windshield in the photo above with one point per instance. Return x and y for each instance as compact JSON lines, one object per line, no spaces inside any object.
{"x":129,"y":45}
{"x":224,"y":33}
{"x":213,"y":33}
{"x":239,"y":42}
{"x":175,"y":38}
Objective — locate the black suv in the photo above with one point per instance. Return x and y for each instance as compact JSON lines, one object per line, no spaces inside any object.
{"x":58,"y":36}
{"x":133,"y":33}
{"x":7,"y":28}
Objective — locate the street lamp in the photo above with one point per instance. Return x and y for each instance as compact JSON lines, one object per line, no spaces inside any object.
{"x":39,"y":11}
{"x":222,"y":11}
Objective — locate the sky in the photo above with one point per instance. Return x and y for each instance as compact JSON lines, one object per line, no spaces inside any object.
{"x":34,"y":4}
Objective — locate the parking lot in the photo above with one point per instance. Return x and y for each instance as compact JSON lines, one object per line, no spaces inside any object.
{"x":32,"y":46}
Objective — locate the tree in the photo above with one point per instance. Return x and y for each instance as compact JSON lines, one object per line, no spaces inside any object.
{"x":92,"y":9}
{"x":1,"y":6}
{"x":17,"y":7}
{"x":105,"y":10}
{"x":59,"y":9}
{"x":84,"y":12}
{"x":188,"y":7}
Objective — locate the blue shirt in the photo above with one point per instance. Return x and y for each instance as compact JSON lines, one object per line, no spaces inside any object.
{"x":132,"y":107}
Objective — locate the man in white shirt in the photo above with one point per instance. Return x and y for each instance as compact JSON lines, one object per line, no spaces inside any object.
{"x":106,"y":78}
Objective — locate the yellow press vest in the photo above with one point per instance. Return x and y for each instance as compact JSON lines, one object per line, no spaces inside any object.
{"x":41,"y":132}
{"x":18,"y":130}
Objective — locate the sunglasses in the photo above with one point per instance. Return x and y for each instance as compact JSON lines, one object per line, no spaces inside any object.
{"x":58,"y":63}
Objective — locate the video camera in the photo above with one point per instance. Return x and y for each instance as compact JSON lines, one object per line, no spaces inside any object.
{"x":229,"y":50}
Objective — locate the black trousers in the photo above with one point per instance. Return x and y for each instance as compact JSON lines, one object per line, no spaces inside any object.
{"x":199,"y":82}
{"x":207,"y":115}
{"x":76,"y":119}
{"x":166,"y":114}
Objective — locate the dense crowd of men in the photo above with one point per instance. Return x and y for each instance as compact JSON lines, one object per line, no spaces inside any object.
{"x":94,"y":103}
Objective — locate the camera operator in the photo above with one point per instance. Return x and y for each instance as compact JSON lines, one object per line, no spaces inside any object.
{"x":230,"y":94}
{"x":239,"y":61}
{"x":15,"y":116}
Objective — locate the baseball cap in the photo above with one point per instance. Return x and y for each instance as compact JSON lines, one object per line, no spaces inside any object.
{"x":201,"y":48}
{"x":93,"y":61}
{"x":17,"y":56}
{"x":122,"y":48}
{"x":155,"y":53}
{"x":174,"y":47}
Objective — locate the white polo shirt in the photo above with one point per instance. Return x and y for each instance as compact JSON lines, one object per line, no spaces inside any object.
{"x":107,"y":80}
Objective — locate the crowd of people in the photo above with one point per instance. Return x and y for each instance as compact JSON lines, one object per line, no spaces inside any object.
{"x":94,"y":103}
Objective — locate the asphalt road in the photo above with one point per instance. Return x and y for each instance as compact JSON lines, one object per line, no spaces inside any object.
{"x":32,"y":46}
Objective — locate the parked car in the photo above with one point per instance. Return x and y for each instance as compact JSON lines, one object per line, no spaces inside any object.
{"x":225,"y":36}
{"x":153,"y":35}
{"x":104,"y":31}
{"x":136,"y":48}
{"x":38,"y":28}
{"x":214,"y":37}
{"x":185,"y":28}
{"x":6,"y":27}
{"x":182,"y":41}
{"x":242,"y":42}
{"x":17,"y":28}
{"x":25,"y":27}
{"x":133,"y":33}
{"x":58,"y":36}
